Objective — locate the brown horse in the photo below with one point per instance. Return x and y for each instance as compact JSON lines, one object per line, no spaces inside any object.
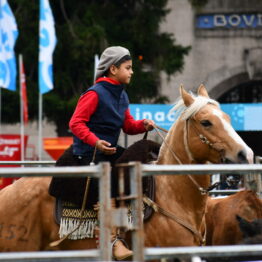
{"x":202,"y":134}
{"x":222,"y":225}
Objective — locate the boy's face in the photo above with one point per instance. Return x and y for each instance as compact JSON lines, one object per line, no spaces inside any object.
{"x":124,"y":73}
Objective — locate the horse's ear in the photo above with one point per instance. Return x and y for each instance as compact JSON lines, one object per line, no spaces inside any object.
{"x":202,"y":91}
{"x":188,"y":99}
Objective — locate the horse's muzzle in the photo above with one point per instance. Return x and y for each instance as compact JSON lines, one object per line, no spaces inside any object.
{"x":241,"y":158}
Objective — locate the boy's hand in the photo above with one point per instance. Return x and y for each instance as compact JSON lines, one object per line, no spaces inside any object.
{"x":104,"y":147}
{"x":149,"y":124}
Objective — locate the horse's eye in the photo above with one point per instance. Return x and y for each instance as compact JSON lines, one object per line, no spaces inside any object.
{"x":205,"y":123}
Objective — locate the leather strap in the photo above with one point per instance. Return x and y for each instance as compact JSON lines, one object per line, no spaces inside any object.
{"x":159,"y":209}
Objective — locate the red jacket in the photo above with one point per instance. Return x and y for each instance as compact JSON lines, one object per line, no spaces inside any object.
{"x":86,"y":106}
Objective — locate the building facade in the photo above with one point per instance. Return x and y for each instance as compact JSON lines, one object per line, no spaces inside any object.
{"x":226,"y":53}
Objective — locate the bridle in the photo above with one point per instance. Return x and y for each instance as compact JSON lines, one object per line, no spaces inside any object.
{"x":203,"y":191}
{"x":203,"y":139}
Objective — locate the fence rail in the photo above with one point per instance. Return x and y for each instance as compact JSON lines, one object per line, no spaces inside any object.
{"x":82,"y":171}
{"x":50,"y":256}
{"x":149,"y":170}
{"x":149,"y":253}
{"x":102,"y":171}
{"x":207,"y":251}
{"x":38,"y":163}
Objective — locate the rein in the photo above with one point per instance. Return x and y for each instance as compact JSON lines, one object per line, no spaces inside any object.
{"x":160,"y":210}
{"x":201,"y":189}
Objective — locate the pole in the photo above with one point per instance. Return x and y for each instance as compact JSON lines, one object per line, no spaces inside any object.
{"x":96,"y":62}
{"x":0,"y":110}
{"x":22,"y":129}
{"x":0,"y":101}
{"x":40,"y":113}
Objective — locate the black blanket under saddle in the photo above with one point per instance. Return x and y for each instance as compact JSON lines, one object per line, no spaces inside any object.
{"x":72,"y":189}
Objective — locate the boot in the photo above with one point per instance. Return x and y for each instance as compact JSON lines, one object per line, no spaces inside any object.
{"x":119,"y":250}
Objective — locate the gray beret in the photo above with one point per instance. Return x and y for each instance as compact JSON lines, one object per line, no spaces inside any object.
{"x":110,"y":56}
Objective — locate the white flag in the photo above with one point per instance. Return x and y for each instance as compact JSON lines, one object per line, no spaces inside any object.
{"x":8,"y":36}
{"x":95,"y":66}
{"x":47,"y":44}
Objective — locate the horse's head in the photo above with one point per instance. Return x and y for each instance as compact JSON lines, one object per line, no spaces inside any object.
{"x":209,"y":134}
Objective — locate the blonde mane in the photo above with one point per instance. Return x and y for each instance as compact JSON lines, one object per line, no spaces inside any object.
{"x":187,"y":112}
{"x":180,"y":109}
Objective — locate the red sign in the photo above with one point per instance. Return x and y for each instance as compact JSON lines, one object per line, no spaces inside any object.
{"x":10,"y":150}
{"x":55,"y":146}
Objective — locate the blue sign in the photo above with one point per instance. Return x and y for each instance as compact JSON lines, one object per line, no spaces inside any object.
{"x":229,"y":21}
{"x":244,"y":117}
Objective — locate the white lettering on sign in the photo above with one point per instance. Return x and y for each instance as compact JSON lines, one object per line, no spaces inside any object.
{"x":220,"y":20}
{"x":249,"y":21}
{"x":9,"y":151}
{"x":259,"y":19}
{"x":5,"y":141}
{"x":158,"y":116}
{"x":234,"y":20}
{"x":171,"y":117}
{"x":237,"y":20}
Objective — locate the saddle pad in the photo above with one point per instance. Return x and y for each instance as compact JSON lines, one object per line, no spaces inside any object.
{"x":68,"y":216}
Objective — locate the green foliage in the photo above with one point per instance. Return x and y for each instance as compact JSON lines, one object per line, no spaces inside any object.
{"x":198,"y":3}
{"x":86,"y":28}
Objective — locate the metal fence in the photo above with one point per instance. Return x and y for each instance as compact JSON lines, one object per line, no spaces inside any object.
{"x":190,"y":252}
{"x":102,"y":172}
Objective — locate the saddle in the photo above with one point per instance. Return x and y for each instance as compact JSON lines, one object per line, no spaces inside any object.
{"x":143,"y":150}
{"x":65,"y":208}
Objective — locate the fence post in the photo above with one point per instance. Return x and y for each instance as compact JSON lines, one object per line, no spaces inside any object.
{"x":137,"y":211}
{"x":253,"y":181}
{"x":258,"y":160}
{"x":105,"y":212}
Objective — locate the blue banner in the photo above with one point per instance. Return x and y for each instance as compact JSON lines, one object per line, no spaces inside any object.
{"x":8,"y":36}
{"x":47,"y":43}
{"x":235,"y":20}
{"x":244,"y":117}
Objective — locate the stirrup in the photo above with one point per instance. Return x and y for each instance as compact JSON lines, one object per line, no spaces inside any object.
{"x":129,"y":253}
{"x":119,"y":239}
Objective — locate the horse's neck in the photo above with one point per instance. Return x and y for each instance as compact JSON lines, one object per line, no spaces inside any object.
{"x":174,"y":149}
{"x":180,"y":188}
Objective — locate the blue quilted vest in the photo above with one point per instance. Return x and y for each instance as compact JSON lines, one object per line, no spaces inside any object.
{"x":108,"y":119}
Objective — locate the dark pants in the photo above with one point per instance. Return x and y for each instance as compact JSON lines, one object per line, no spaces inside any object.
{"x":72,"y":189}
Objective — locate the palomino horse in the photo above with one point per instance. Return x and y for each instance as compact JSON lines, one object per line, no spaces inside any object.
{"x":201,"y":134}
